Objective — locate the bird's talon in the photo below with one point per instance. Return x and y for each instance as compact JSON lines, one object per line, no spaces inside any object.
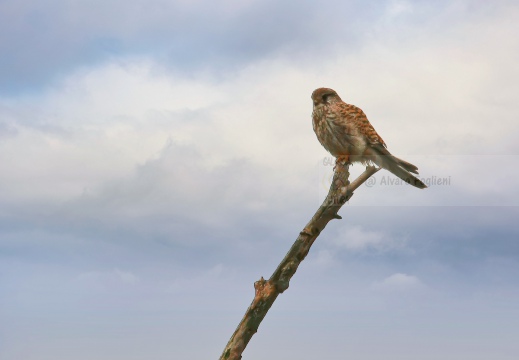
{"x":342,"y":160}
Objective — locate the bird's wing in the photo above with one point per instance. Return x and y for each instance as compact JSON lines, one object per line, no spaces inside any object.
{"x":357,"y":117}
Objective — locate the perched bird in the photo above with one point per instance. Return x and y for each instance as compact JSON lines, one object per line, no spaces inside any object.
{"x":344,"y":130}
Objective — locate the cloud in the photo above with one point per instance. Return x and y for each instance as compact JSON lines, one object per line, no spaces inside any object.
{"x":43,"y":44}
{"x":398,"y":282}
{"x":323,"y":260}
{"x":164,"y":166}
{"x":46,"y":41}
{"x":201,"y":282}
{"x":398,"y":7}
{"x":131,"y":139}
{"x":106,"y":277}
{"x":356,"y":238}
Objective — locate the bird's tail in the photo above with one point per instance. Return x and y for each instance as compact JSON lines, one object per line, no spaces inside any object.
{"x":401,"y":168}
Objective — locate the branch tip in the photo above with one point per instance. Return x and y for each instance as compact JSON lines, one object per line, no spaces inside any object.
{"x":259,"y":284}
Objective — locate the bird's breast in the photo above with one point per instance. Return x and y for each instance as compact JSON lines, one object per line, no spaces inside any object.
{"x":337,"y":133}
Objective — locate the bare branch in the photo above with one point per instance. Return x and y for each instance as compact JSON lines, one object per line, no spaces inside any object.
{"x":268,"y":290}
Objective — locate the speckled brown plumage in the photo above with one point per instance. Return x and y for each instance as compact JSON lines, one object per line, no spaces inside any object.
{"x":345,"y":131}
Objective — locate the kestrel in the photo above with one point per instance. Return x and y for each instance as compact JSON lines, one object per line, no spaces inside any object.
{"x":344,"y":130}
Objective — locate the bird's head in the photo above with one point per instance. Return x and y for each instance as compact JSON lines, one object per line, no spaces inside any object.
{"x":324,"y":96}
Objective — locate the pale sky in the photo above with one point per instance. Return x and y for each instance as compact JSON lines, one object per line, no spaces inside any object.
{"x":158,"y":158}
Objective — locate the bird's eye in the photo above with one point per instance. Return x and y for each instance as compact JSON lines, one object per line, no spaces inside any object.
{"x":325,"y":97}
